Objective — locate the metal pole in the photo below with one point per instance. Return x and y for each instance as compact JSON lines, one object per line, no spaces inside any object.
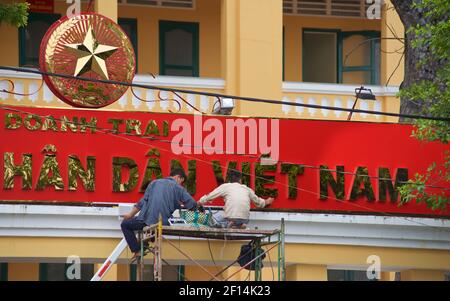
{"x":140,"y":261}
{"x":157,"y":266}
{"x":258,"y":261}
{"x":279,"y":256}
{"x":353,"y":107}
{"x":250,"y":262}
{"x":191,"y":259}
{"x":283,"y":258}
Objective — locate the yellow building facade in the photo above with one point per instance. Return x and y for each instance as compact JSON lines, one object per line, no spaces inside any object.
{"x":273,"y":49}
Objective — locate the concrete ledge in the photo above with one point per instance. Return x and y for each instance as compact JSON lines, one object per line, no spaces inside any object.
{"x":309,"y":228}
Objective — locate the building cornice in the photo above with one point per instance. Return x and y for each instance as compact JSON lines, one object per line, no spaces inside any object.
{"x":302,"y":228}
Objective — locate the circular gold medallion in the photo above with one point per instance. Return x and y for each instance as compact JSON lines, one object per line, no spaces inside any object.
{"x":92,"y":46}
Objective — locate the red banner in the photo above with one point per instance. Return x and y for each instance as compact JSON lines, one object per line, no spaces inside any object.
{"x":42,"y":6}
{"x":109,"y":157}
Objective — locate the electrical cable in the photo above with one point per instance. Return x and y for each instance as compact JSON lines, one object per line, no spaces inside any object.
{"x":275,"y":182}
{"x":218,"y":95}
{"x":152,"y":138}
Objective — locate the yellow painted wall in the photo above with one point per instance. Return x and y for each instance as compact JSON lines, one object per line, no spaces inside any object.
{"x":195,"y":273}
{"x":302,"y":254}
{"x":23,"y":271}
{"x":123,"y":272}
{"x":293,"y":28}
{"x":422,"y":275}
{"x":9,"y":56}
{"x":207,"y":13}
{"x":392,"y":62}
{"x":306,"y":272}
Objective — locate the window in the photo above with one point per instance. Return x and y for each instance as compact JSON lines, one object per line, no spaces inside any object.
{"x":30,"y":37}
{"x":320,"y":56}
{"x":179,"y":48}
{"x":347,"y":275}
{"x":333,"y":56}
{"x":130,"y":28}
{"x":3,"y":272}
{"x":361,"y":57}
{"x":58,"y":272}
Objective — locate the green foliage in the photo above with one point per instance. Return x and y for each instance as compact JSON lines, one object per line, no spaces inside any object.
{"x":432,"y":34}
{"x":14,"y":14}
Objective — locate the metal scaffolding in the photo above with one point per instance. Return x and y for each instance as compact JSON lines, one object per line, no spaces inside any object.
{"x":151,"y":239}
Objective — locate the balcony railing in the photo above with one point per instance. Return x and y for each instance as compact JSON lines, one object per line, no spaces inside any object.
{"x":330,"y":95}
{"x":340,"y":96}
{"x":25,"y":83}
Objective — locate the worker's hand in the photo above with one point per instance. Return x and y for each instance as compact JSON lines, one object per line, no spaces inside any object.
{"x":269,"y":201}
{"x":200,"y":207}
{"x":127,"y":216}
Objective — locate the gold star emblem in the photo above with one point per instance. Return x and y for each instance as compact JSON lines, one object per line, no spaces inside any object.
{"x":91,"y":55}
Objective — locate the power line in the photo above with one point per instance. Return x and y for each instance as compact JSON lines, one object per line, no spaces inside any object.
{"x":285,"y":185}
{"x":153,"y":138}
{"x":218,"y":95}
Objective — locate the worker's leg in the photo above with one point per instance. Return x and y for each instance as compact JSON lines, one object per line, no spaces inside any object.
{"x":238,"y":223}
{"x":128,"y":228}
{"x":219,"y":220}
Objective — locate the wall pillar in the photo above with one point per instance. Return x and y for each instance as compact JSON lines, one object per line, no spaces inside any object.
{"x":195,"y":273}
{"x":252,"y":42}
{"x":387,"y":276}
{"x":107,"y":8}
{"x":306,"y":272}
{"x":422,"y":275}
{"x":391,"y":56}
{"x":123,"y":272}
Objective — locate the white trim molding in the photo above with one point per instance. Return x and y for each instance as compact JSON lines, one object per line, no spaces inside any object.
{"x":340,"y":89}
{"x":304,"y":228}
{"x":142,"y":79}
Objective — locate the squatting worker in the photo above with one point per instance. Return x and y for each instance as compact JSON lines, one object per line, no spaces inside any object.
{"x":237,"y":199}
{"x":162,"y":197}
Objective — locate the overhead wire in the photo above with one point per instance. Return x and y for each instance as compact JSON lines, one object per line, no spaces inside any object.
{"x":218,"y":95}
{"x":273,"y":182}
{"x":153,"y":138}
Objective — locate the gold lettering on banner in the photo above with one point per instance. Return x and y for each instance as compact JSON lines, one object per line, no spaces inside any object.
{"x":76,"y":170}
{"x":133,"y":125}
{"x":37,"y":122}
{"x":72,"y":125}
{"x":153,"y":169}
{"x":50,"y":174}
{"x":152,"y":129}
{"x":50,"y":124}
{"x":11,"y":171}
{"x":9,"y":124}
{"x":118,"y":164}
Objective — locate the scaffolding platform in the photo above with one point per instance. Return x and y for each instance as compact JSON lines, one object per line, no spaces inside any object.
{"x":151,"y":238}
{"x":214,"y":233}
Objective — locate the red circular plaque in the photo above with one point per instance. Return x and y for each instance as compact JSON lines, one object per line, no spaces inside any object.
{"x":92,"y":46}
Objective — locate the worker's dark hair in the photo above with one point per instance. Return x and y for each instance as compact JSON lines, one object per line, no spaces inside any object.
{"x":178,"y":172}
{"x":235,"y":176}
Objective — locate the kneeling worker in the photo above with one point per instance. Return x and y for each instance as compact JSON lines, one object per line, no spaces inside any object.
{"x":237,"y":199}
{"x":162,"y":197}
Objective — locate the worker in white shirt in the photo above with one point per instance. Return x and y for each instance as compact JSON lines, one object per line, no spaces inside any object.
{"x":237,"y":199}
